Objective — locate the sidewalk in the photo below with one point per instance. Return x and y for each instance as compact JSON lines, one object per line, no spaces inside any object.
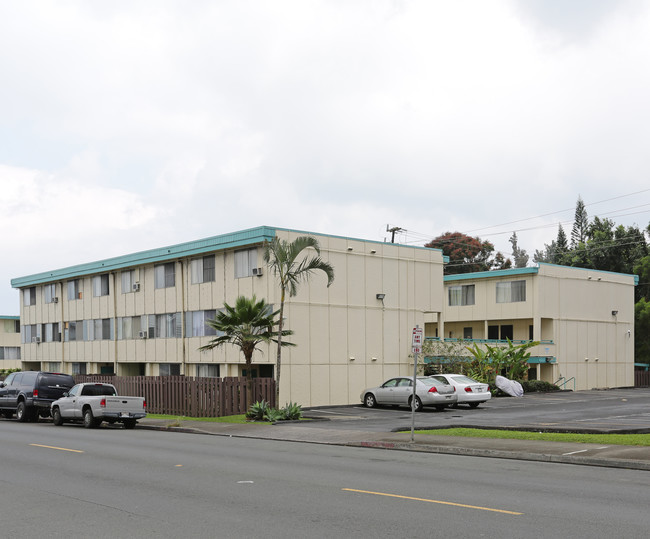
{"x":615,"y":456}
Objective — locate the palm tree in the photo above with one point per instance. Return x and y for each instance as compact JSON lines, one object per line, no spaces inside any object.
{"x":246,"y":325}
{"x":285,"y":260}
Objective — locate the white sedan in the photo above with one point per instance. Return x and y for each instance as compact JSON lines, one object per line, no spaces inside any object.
{"x":399,"y":392}
{"x":469,"y":391}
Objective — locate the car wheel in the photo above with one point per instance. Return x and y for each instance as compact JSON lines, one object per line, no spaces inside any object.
{"x":473,"y":404}
{"x":89,"y":419}
{"x":418,"y":404}
{"x":56,"y":417}
{"x":129,"y":423}
{"x":22,"y":414}
{"x":369,"y":400}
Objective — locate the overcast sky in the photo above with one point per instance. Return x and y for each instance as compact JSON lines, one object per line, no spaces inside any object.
{"x":130,"y":125}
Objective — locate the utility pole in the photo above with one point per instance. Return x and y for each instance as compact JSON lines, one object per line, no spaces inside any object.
{"x":392,"y":230}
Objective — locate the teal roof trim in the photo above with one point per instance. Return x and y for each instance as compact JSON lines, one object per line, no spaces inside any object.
{"x":495,"y":273}
{"x":251,"y":236}
{"x":4,"y":317}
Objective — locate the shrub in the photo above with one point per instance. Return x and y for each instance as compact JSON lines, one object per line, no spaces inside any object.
{"x":291,"y":412}
{"x":532,"y":386}
{"x":258,"y":411}
{"x":273,"y":415}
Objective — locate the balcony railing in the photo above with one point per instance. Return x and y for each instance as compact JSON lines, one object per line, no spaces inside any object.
{"x":489,"y":341}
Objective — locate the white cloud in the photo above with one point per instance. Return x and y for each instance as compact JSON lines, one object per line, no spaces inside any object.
{"x":145,"y":124}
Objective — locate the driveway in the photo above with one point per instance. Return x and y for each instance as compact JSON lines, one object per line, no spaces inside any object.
{"x":614,"y":410}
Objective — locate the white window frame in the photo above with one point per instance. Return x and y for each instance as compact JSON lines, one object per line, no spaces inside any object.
{"x":165,"y":275}
{"x":101,"y":285}
{"x":511,"y":291}
{"x":245,"y":261}
{"x":202,"y":269}
{"x":49,"y":292}
{"x":460,"y":295}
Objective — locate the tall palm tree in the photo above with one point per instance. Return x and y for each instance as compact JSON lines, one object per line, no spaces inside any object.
{"x":246,"y":325}
{"x":290,"y":266}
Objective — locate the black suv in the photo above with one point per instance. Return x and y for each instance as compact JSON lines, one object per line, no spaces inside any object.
{"x":29,"y":394}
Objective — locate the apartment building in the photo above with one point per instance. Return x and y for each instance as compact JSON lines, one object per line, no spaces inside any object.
{"x":9,"y":342}
{"x":144,"y":313}
{"x":583,"y":319}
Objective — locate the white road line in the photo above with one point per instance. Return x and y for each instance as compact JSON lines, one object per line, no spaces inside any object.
{"x":574,"y":452}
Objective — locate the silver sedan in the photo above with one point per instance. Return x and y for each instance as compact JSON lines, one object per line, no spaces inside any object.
{"x":399,"y":392}
{"x":469,"y":390}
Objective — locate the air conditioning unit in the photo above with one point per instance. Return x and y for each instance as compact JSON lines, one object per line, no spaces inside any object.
{"x":135,"y":287}
{"x":55,"y":299}
{"x":37,"y":340}
{"x":258,"y":272}
{"x":142,"y":334}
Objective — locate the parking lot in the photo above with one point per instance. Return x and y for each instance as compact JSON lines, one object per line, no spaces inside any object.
{"x":615,"y":410}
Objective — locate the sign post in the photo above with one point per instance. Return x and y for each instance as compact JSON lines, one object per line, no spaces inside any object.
{"x":416,"y":348}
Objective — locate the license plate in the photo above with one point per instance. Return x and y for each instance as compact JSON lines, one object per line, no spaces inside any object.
{"x":447,"y":396}
{"x":479,"y":389}
{"x":125,"y":414}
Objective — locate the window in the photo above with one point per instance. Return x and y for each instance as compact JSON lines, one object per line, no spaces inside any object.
{"x":196,"y":323}
{"x":202,"y":269}
{"x":73,"y":290}
{"x":165,"y":275}
{"x":29,"y":296}
{"x":169,"y":369}
{"x":73,"y":331}
{"x":129,"y":327}
{"x":49,"y":291}
{"x":52,"y":366}
{"x":10,"y":352}
{"x":511,"y":291}
{"x":207,"y":371}
{"x":128,"y":280}
{"x":31,"y":333}
{"x":78,"y":368}
{"x":461,"y":295}
{"x":52,"y":333}
{"x":168,"y":325}
{"x":493,"y":333}
{"x":100,"y":285}
{"x":245,"y":261}
{"x":467,"y":333}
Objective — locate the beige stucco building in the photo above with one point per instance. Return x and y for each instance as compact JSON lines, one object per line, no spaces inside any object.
{"x":9,"y":342}
{"x":584,"y":320}
{"x":145,"y":313}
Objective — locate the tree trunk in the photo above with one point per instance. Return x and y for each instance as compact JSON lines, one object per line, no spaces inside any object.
{"x":278,"y":360}
{"x":249,"y":380}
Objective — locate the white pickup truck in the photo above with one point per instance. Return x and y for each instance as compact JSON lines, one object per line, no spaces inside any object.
{"x":93,"y":403}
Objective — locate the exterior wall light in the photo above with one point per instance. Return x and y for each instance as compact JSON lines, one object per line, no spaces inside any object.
{"x":381,"y":296}
{"x":614,"y":313}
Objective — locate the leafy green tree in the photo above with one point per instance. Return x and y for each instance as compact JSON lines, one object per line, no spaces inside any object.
{"x":580,"y":224}
{"x":245,"y":325}
{"x":511,"y":360}
{"x":642,"y":331}
{"x":519,"y":255}
{"x":466,"y":254}
{"x":291,"y":265}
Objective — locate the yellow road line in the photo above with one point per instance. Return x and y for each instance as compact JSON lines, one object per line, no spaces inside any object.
{"x":433,"y":501}
{"x":57,"y":448}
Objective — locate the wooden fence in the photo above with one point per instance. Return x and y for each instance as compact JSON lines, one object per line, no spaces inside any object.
{"x":189,"y":396}
{"x":641,"y":378}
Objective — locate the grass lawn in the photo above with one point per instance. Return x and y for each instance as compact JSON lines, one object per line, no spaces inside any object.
{"x":603,"y":439}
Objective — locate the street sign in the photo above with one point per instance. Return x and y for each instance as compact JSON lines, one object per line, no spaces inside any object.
{"x":416,"y":342}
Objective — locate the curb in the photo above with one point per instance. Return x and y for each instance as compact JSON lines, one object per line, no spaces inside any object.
{"x":518,"y":455}
{"x":442,"y":450}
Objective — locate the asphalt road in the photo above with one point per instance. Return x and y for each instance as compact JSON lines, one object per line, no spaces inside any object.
{"x":616,"y":410}
{"x":72,"y":482}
